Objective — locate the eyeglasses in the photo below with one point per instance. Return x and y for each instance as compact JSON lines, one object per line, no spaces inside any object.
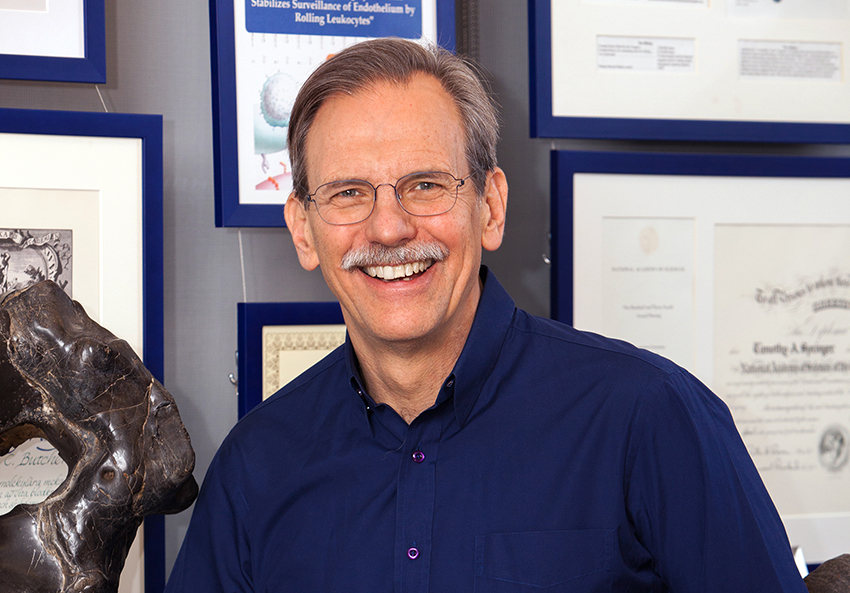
{"x":350,"y":201}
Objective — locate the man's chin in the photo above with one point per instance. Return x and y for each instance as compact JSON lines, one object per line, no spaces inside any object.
{"x":397,"y":327}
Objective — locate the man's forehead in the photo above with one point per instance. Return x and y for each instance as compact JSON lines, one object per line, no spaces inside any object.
{"x":405,"y":112}
{"x":380,"y":87}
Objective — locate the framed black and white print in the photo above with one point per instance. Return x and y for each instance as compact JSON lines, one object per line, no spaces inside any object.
{"x":56,"y":41}
{"x":262,"y":51}
{"x":81,"y":204}
{"x":279,"y":341}
{"x":736,"y":267}
{"x":710,"y":70}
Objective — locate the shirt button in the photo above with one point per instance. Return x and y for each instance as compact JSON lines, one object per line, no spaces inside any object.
{"x":418,"y":457}
{"x":413,"y":553}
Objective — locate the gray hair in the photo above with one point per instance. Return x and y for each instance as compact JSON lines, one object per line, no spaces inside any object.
{"x":397,"y":60}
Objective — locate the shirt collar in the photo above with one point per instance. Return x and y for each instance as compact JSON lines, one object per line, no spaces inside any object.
{"x":493,"y":318}
{"x":477,"y":359}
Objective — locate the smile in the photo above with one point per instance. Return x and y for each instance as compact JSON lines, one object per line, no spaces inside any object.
{"x":402,"y":272}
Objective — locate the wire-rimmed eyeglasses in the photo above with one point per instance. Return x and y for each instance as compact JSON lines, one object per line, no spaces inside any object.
{"x":427,"y":193}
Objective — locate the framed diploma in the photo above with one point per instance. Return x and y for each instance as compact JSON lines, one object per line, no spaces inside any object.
{"x":81,"y":203}
{"x":57,"y":41}
{"x":279,"y":341}
{"x":720,"y":70}
{"x":262,"y":51}
{"x":738,"y":268}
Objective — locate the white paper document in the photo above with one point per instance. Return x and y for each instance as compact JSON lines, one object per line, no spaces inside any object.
{"x":648,"y":284}
{"x":789,"y":9}
{"x":27,"y":5}
{"x":39,"y":28}
{"x":782,"y":356}
{"x":726,"y":60}
{"x":29,"y":474}
{"x":645,"y":53}
{"x":648,"y":2}
{"x":789,"y":60}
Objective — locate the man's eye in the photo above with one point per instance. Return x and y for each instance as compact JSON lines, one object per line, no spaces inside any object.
{"x":348,"y":193}
{"x":426,"y":186}
{"x":343,"y":193}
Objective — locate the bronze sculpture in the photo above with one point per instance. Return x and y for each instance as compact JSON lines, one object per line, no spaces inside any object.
{"x":66,"y":379}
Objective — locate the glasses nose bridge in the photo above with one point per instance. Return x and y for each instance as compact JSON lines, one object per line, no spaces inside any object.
{"x":398,"y":199}
{"x":392,"y":185}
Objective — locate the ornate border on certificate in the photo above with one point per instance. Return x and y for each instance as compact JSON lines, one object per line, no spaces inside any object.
{"x":290,"y":350}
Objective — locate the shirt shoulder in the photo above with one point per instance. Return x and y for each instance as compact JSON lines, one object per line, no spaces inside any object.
{"x":298,"y":408}
{"x":560,"y":338}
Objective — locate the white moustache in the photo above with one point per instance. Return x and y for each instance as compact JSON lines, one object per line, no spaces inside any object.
{"x":375,"y":254}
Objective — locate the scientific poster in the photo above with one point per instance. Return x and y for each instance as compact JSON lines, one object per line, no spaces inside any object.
{"x":278,"y":45}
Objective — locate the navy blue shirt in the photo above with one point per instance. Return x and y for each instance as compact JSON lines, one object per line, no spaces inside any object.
{"x":553,"y":460}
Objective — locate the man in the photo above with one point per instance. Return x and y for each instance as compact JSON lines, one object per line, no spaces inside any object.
{"x":456,"y":443}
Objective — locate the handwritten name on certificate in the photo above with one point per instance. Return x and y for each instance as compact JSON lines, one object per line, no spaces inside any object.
{"x":782,"y":356}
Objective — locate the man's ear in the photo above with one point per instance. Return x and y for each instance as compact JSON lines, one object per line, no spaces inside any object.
{"x":493,"y":207}
{"x":302,"y":235}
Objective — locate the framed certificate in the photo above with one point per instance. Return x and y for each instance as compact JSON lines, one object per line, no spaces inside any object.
{"x":58,"y":41}
{"x":262,"y":52}
{"x":81,"y":204}
{"x":279,"y":341}
{"x":720,"y":70}
{"x":737,"y":268}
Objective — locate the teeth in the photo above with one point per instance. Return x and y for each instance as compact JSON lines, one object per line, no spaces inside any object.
{"x":402,"y":271}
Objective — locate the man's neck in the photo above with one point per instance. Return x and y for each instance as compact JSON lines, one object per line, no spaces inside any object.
{"x":408,"y":376}
{"x":407,"y":380}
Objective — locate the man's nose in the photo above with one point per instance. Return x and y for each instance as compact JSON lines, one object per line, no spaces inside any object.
{"x":389,"y":223}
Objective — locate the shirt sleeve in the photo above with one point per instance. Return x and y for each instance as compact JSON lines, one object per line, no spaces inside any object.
{"x":697,"y":502}
{"x":215,"y":554}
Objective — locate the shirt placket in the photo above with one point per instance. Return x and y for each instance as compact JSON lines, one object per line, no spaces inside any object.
{"x":415,"y":510}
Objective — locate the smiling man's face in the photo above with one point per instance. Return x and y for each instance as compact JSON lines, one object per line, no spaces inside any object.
{"x":398,"y":277}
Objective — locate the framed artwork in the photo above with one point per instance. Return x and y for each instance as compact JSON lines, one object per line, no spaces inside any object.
{"x":279,"y":341}
{"x":57,"y":41}
{"x":262,"y":51}
{"x":724,"y":70}
{"x":81,"y":204}
{"x":738,"y":269}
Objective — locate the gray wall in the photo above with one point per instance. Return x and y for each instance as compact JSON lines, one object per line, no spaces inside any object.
{"x":158,"y":55}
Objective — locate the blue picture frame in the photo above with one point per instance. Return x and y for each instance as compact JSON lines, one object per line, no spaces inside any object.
{"x":544,"y":124}
{"x":566,"y":164}
{"x":147,"y":128}
{"x":251,"y":318}
{"x":91,"y":68}
{"x":229,"y":212}
{"x":578,"y":247}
